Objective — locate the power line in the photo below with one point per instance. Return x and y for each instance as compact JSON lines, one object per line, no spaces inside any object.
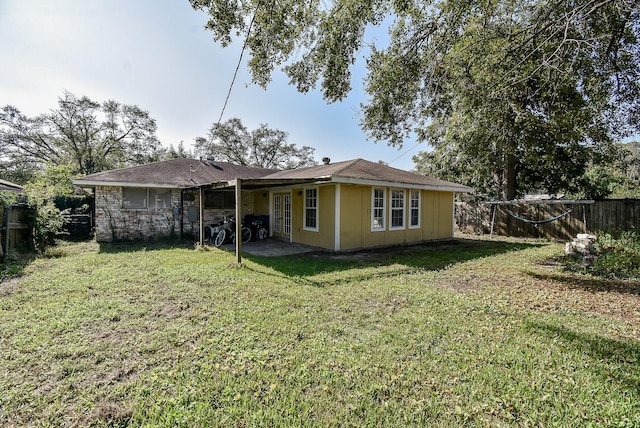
{"x":402,"y":154}
{"x":235,"y":74}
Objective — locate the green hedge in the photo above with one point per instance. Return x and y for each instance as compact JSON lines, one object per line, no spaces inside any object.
{"x":618,"y":255}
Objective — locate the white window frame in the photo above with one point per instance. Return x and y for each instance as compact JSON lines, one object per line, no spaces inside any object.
{"x":415,"y":208}
{"x":376,"y":209}
{"x":397,"y":205}
{"x":313,"y":208}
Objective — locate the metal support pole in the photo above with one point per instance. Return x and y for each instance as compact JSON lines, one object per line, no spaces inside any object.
{"x":201,"y":197}
{"x":238,"y":221}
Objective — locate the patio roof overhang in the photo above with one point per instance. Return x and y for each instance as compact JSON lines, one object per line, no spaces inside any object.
{"x":260,"y":183}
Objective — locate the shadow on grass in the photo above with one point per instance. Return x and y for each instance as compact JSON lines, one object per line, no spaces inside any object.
{"x":13,"y":265}
{"x":622,"y":358}
{"x":594,"y":285}
{"x":371,"y":264}
{"x":136,"y":246}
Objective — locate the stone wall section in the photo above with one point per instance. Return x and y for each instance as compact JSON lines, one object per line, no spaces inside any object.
{"x":114,"y":223}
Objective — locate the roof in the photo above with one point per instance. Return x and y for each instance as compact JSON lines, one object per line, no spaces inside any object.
{"x":360,"y":171}
{"x":7,"y":186}
{"x":188,"y":173}
{"x":174,"y":173}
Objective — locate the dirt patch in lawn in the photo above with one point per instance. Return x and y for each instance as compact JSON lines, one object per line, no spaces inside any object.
{"x":9,"y":287}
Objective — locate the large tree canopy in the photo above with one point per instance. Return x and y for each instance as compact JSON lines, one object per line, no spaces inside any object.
{"x":511,"y":94}
{"x":230,"y":141}
{"x":88,"y":135}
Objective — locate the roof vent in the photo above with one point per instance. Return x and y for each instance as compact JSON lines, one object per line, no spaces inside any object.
{"x":326,"y":161}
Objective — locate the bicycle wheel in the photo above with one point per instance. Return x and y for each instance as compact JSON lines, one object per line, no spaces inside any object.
{"x":246,"y":234}
{"x":220,"y":238}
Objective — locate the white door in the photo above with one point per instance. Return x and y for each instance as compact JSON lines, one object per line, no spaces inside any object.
{"x":282,"y":215}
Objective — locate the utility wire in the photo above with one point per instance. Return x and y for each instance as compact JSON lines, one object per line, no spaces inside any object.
{"x":235,"y":74}
{"x":402,"y":154}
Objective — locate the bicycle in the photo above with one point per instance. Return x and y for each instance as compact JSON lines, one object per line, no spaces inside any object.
{"x":257,"y":225}
{"x":227,"y":233}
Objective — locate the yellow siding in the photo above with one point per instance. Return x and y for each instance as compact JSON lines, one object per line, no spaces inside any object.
{"x":445,"y":216}
{"x":413,"y":235}
{"x":436,"y":216}
{"x":260,"y":202}
{"x":354,"y":211}
{"x":325,"y":236}
{"x":355,"y":219}
{"x":430,"y":202}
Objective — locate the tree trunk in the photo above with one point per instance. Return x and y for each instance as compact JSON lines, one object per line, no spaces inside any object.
{"x":509,"y":177}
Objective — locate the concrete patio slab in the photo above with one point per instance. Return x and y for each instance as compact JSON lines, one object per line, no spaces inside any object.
{"x":273,"y":247}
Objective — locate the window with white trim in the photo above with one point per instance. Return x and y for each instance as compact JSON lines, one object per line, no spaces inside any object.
{"x":397,"y":209}
{"x":311,"y":209}
{"x":378,"y":209}
{"x":414,"y":209}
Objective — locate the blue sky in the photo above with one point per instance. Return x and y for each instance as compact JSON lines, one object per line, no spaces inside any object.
{"x":157,"y":55}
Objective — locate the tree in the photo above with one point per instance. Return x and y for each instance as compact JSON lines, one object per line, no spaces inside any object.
{"x":16,"y":171}
{"x":88,"y":135}
{"x":49,"y":183}
{"x":627,"y":172}
{"x":507,"y":87}
{"x":263,"y":147}
{"x":179,"y":152}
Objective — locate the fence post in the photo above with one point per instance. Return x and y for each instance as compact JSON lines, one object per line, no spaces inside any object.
{"x":493,"y":219}
{"x":7,"y":210}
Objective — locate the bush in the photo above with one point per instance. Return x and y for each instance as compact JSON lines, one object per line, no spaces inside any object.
{"x":618,"y":255}
{"x":49,"y":184}
{"x":47,"y":224}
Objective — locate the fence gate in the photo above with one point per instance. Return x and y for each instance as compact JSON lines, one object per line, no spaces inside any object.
{"x":14,"y":228}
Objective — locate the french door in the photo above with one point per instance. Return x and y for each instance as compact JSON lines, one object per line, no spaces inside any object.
{"x":282,"y":215}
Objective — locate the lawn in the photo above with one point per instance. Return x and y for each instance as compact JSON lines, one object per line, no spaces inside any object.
{"x":467,"y":333}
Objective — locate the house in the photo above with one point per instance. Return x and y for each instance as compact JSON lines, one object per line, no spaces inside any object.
{"x":338,"y":206}
{"x":7,"y":186}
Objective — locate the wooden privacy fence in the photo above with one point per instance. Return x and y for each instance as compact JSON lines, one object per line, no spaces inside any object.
{"x":14,"y":228}
{"x":584,"y":217}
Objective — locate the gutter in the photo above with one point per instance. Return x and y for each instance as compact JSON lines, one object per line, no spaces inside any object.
{"x":369,"y":182}
{"x":92,"y":183}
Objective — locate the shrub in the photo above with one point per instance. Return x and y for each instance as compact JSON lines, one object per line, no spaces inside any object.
{"x":47,"y":224}
{"x":618,"y":255}
{"x":52,"y":182}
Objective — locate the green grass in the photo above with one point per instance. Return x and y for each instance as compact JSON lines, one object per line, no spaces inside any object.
{"x":471,"y":333}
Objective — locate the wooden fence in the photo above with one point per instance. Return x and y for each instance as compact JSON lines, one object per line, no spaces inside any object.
{"x":14,"y":229}
{"x":609,"y":215}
